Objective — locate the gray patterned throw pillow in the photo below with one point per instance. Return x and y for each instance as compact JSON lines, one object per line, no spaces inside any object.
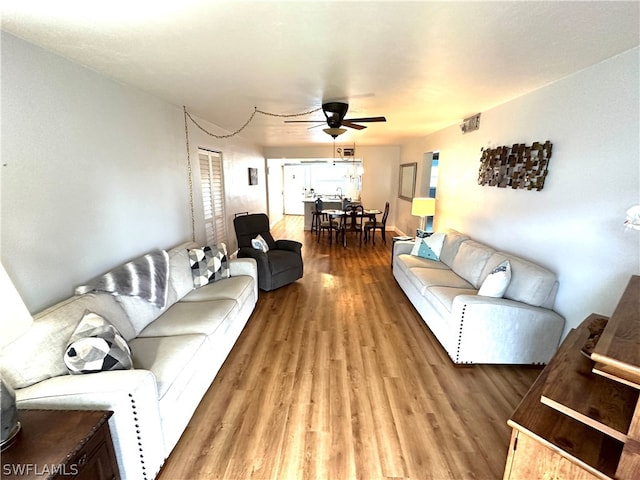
{"x":96,"y":346}
{"x":208,"y":264}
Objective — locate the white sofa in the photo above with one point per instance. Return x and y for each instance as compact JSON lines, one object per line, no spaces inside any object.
{"x":519,"y":328}
{"x":176,"y":354}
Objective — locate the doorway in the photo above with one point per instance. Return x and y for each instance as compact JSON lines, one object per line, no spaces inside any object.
{"x":294,"y":189}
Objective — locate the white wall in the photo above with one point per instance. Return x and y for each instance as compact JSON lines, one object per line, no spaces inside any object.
{"x":94,"y":173}
{"x":574,"y":225}
{"x":275,"y":188}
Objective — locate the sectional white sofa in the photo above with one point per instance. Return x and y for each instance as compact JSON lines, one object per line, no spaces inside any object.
{"x":176,"y":351}
{"x":519,"y":327}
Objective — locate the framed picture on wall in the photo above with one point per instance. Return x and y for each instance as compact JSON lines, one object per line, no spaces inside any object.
{"x":407,"y":181}
{"x":253,"y":176}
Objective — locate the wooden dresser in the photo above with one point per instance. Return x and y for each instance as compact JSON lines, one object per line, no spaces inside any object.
{"x":61,"y":444}
{"x":581,"y":418}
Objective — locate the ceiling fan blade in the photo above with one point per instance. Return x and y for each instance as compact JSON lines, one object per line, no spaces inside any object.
{"x":347,"y":123}
{"x":366,"y":119}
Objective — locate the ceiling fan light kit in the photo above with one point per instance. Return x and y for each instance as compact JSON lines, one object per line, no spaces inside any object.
{"x":334,"y":132}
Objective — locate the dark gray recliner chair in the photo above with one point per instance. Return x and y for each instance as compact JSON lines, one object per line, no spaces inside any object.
{"x":281,"y":265}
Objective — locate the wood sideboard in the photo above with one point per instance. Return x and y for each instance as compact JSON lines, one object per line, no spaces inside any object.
{"x":581,"y":417}
{"x":61,"y":444}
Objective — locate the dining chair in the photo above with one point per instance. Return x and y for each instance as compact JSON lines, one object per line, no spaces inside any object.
{"x":330,"y":224}
{"x":352,"y":222}
{"x":371,"y":226}
{"x":317,"y":216}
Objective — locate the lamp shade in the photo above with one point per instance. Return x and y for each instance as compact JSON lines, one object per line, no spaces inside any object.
{"x":15,"y":319}
{"x":423,"y":207}
{"x":334,"y":132}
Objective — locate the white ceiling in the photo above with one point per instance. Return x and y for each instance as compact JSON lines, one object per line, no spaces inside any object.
{"x":423,"y":65}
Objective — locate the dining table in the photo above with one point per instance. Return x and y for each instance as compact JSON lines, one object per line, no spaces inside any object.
{"x":344,"y":215}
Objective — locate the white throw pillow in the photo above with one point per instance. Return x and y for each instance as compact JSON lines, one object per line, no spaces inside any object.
{"x":260,"y":243}
{"x":497,"y":281}
{"x":428,"y":247}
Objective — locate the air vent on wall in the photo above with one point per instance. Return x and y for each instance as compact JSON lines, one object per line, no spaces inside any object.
{"x":470,"y":124}
{"x":345,"y":151}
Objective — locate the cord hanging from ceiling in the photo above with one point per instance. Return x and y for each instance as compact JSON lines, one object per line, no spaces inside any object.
{"x":255,"y":110}
{"x":189,"y":176}
{"x":186,"y":134}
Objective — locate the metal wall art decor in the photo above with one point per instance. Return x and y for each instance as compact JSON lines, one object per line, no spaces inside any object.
{"x":519,"y":166}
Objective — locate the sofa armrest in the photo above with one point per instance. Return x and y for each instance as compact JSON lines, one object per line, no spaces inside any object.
{"x":245,"y":266}
{"x":402,"y":247}
{"x":130,"y":394}
{"x":290,"y":245}
{"x":498,"y":330}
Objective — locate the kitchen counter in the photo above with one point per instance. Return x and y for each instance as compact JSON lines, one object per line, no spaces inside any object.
{"x":324,"y":198}
{"x":328,"y":202}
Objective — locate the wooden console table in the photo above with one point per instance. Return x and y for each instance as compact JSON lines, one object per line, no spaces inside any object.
{"x":61,"y":444}
{"x":581,"y":418}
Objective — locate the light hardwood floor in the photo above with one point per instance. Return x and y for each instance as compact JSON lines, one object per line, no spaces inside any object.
{"x":337,"y":377}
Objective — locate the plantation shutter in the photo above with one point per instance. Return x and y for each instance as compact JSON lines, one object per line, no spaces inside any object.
{"x":212,"y":183}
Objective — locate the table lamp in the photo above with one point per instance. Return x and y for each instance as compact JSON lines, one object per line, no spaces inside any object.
{"x":423,"y":207}
{"x":15,"y":320}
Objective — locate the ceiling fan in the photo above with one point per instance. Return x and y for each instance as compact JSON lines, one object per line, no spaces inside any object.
{"x":335,"y":113}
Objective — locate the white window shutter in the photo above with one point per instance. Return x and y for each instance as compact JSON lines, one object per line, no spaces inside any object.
{"x":212,"y":181}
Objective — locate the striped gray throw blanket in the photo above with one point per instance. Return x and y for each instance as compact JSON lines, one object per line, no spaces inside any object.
{"x":146,"y":277}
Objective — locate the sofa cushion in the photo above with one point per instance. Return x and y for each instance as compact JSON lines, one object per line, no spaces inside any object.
{"x":497,"y":281}
{"x":450,"y":246}
{"x":441,"y":298}
{"x":530,"y":283}
{"x":140,"y":312}
{"x":238,"y":288}
{"x":38,"y":354}
{"x":171,"y":359}
{"x":180,"y":277}
{"x":405,"y":261}
{"x":470,"y":261}
{"x":96,"y":346}
{"x":424,"y":278}
{"x":192,"y":317}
